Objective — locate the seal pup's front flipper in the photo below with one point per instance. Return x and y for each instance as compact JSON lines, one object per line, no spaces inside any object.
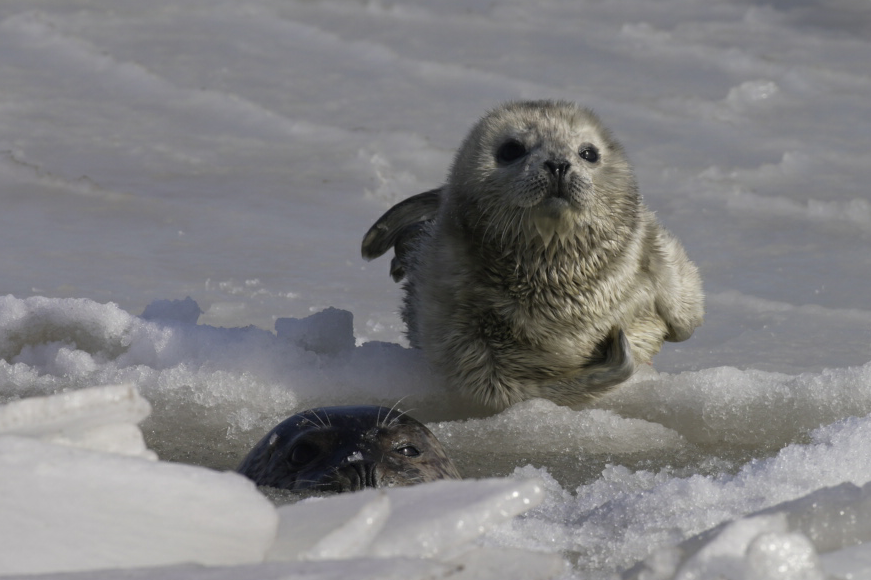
{"x":679,"y":299}
{"x":613,"y":365}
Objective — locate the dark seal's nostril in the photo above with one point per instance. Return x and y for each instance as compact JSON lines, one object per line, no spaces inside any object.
{"x":371,"y":475}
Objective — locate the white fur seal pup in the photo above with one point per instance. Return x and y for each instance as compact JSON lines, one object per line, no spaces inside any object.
{"x":536,"y":271}
{"x":347,"y":449}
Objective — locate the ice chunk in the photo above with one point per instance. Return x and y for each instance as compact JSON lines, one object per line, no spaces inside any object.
{"x":330,"y":331}
{"x":788,"y":556}
{"x":717,"y":554}
{"x":545,"y":427}
{"x":744,"y":407}
{"x":477,"y":564}
{"x":832,"y":517}
{"x":98,"y":418}
{"x":97,"y":329}
{"x":780,"y":542}
{"x":336,"y":527}
{"x":437,"y":520}
{"x":501,"y":563}
{"x":358,"y":569}
{"x":850,"y":563}
{"x":432,"y":519}
{"x":723,"y":556}
{"x":67,"y":509}
{"x":187,"y":310}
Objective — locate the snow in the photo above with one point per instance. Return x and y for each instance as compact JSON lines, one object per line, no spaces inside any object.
{"x":71,"y":509}
{"x":184,"y":188}
{"x":397,"y":523}
{"x":101,"y":419}
{"x":76,"y":504}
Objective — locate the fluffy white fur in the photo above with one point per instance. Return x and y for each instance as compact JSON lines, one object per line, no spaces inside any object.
{"x":536,"y":271}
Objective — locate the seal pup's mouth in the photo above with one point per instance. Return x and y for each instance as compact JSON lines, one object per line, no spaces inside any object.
{"x":557,"y":215}
{"x":553,"y":218}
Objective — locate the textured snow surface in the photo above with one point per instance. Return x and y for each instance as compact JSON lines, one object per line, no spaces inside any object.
{"x":183,"y":191}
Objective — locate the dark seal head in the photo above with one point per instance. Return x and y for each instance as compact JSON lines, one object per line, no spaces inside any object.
{"x":347,"y":449}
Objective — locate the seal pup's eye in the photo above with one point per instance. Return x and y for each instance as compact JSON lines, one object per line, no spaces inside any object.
{"x":303,"y":453}
{"x":408,"y":451}
{"x":589,"y":153}
{"x":510,"y":151}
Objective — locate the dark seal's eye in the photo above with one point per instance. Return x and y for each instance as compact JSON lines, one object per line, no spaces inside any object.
{"x":408,"y":451}
{"x":303,"y":453}
{"x":510,"y":151}
{"x":589,"y":153}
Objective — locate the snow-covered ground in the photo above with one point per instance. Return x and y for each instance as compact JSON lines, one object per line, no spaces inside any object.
{"x":236,"y":152}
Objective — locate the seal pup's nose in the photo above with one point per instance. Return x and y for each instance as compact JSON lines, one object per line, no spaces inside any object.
{"x":558,"y":168}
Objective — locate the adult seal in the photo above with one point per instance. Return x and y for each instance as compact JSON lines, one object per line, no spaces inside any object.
{"x":347,"y":449}
{"x":536,"y":271}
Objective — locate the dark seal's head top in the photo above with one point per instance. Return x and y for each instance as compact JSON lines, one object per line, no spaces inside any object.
{"x":347,"y":449}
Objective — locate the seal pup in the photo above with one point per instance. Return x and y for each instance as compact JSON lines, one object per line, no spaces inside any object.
{"x":347,"y":449}
{"x":536,"y":271}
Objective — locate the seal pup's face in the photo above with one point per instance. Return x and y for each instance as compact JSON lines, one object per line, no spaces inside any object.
{"x":541,"y":169}
{"x":347,"y":449}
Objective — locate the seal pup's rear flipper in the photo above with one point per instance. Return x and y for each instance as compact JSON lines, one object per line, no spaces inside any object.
{"x":406,"y":240}
{"x":392,"y":226}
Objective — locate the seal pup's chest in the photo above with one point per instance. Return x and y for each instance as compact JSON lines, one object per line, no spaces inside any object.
{"x":554,"y":305}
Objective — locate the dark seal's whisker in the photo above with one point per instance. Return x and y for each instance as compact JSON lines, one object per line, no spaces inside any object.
{"x":346,"y":449}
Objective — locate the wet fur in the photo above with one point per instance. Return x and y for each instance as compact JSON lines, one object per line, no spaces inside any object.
{"x":346,"y":449}
{"x":532,"y":282}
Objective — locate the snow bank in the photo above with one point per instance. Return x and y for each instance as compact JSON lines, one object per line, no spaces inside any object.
{"x":72,"y":500}
{"x":781,"y":542}
{"x":100,"y":500}
{"x":224,"y":387}
{"x":67,"y":508}
{"x":436,"y":520}
{"x":72,"y":509}
{"x":627,"y":515}
{"x":662,"y":459}
{"x":101,"y":419}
